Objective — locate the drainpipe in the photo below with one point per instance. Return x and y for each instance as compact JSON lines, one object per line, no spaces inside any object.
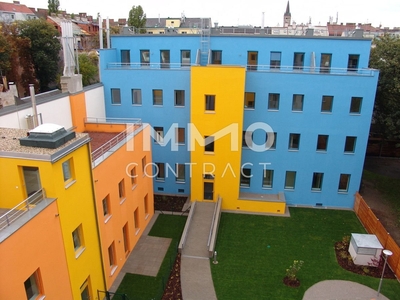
{"x":33,"y":99}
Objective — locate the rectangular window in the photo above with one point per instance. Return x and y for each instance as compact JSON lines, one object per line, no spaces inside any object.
{"x":68,"y":170}
{"x":77,"y":239}
{"x":179,"y":97}
{"x":297,"y":104}
{"x":209,"y":144}
{"x":350,"y":144}
{"x":160,"y":171}
{"x":164,"y":58}
{"x":125,"y":56}
{"x":111,"y":256}
{"x":317,"y":181}
{"x":85,"y":290}
{"x":216,"y":57}
{"x":180,"y":136}
{"x":355,"y":106}
{"x":33,"y":286}
{"x":180,"y":172}
{"x":273,"y":101}
{"x":352,"y":64}
{"x":249,"y":100}
{"x":159,"y":134}
{"x":275,"y":60}
{"x":121,"y":189}
{"x":270,"y":140}
{"x":247,"y":139}
{"x":185,"y":58}
{"x":252,"y":60}
{"x":136,"y":220}
{"x":290,"y":180}
{"x":208,"y":191}
{"x":298,"y":61}
{"x":210,"y":102}
{"x":125,"y":234}
{"x":115,"y":96}
{"x":245,"y":176}
{"x":344,"y":181}
{"x":144,"y":57}
{"x":133,"y":176}
{"x":294,"y":141}
{"x":157,"y":97}
{"x":146,"y":204}
{"x":325,"y":66}
{"x":322,"y":142}
{"x":268,"y":177}
{"x":106,"y":206}
{"x":136,"y":96}
{"x":327,"y":103}
{"x":144,"y":165}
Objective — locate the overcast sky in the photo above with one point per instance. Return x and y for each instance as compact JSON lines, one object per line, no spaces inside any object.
{"x":245,"y":12}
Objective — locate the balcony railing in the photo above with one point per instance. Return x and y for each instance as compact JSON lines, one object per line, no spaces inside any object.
{"x":21,"y":209}
{"x":143,"y":66}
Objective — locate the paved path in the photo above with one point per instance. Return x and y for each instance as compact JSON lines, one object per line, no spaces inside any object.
{"x":341,"y":290}
{"x":196,"y":280}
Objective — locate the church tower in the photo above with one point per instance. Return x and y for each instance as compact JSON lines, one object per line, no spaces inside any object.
{"x":287,"y":16}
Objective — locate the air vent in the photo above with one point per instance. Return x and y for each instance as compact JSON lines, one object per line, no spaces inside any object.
{"x":160,"y":189}
{"x":181,"y":190}
{"x":318,"y":204}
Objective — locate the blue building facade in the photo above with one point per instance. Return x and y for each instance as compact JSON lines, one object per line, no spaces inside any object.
{"x":316,"y":94}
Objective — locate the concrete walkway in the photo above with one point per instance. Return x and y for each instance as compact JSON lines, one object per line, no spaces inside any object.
{"x":341,"y":290}
{"x":196,"y":280}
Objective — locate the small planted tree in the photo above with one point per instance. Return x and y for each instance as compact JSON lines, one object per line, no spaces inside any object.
{"x":291,"y":274}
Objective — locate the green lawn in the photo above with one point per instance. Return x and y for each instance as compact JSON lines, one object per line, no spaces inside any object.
{"x":255,"y":251}
{"x":139,"y":287}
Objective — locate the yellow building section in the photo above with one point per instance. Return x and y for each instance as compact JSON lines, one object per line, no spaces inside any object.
{"x":217,"y":99}
{"x":267,"y":206}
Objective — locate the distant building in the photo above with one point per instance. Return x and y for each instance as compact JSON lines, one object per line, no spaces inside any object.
{"x":11,"y":12}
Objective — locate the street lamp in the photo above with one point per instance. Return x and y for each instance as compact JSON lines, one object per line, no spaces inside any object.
{"x":387,"y":253}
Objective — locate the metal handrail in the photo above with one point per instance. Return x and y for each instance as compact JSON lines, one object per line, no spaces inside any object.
{"x":113,"y":120}
{"x":22,"y":208}
{"x":138,"y":65}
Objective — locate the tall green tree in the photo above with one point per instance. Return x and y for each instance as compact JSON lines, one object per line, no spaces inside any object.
{"x":44,"y":49}
{"x":385,"y":56}
{"x":5,"y":55}
{"x":88,"y":67}
{"x":137,"y":18}
{"x":53,"y":6}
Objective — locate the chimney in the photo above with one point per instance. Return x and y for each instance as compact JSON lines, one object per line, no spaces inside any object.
{"x":16,"y":2}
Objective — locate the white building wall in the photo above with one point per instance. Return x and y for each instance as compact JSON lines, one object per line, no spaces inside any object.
{"x":95,"y":107}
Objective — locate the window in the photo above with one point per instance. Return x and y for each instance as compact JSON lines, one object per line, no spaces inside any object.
{"x":355,"y":105}
{"x":125,"y":57}
{"x":245,"y":176}
{"x":209,"y":144}
{"x":275,"y":61}
{"x":327,"y":103}
{"x":146,"y":205}
{"x":159,"y":134}
{"x":317,"y":181}
{"x":121,"y":189}
{"x":294,"y":141}
{"x":32,"y":285}
{"x":290,"y":180}
{"x":157,"y":97}
{"x":180,"y":172}
{"x":208,"y":191}
{"x":164,"y":58}
{"x":325,"y":66}
{"x":273,"y":102}
{"x":185,"y":58}
{"x":77,"y":239}
{"x":249,"y":100}
{"x":85,"y":290}
{"x":216,"y":57}
{"x":106,"y":206}
{"x":133,"y":176}
{"x":136,"y":220}
{"x":344,"y":181}
{"x":160,"y":171}
{"x":210,"y":102}
{"x":68,"y":170}
{"x":298,"y":61}
{"x":268,"y":177}
{"x":144,"y":57}
{"x":271,"y":144}
{"x":180,"y":136}
{"x":352,"y":64}
{"x":297,"y":104}
{"x":137,"y":96}
{"x":247,"y":139}
{"x":350,"y":144}
{"x":111,"y":256}
{"x":125,"y":234}
{"x":144,"y":165}
{"x":179,"y":97}
{"x":322,"y":142}
{"x":115,"y":96}
{"x":252,"y":58}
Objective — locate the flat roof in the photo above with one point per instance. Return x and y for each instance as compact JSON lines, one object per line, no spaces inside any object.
{"x":366,"y":241}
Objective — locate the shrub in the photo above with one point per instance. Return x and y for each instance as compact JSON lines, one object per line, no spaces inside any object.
{"x":291,"y":272}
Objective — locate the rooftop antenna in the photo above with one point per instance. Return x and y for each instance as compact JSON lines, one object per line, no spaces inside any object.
{"x":337,"y":17}
{"x":68,"y":42}
{"x":262,"y":20}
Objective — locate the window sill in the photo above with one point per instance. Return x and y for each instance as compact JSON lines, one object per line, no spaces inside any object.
{"x":208,"y":153}
{"x":122,"y":200}
{"x":267,"y":187}
{"x":249,"y":108}
{"x":41,"y":297}
{"x":273,"y":110}
{"x":79,"y":252}
{"x":349,"y":153}
{"x":343,"y":192}
{"x":69,"y":183}
{"x":355,"y":114}
{"x":293,"y":150}
{"x":158,"y":105}
{"x":137,"y":231}
{"x":113,"y":269}
{"x":134,"y":186}
{"x":146,"y":216}
{"x":245,"y":186}
{"x":179,"y":106}
{"x":316,"y":191}
{"x":116,"y":104}
{"x":273,"y":149}
{"x":289,"y":189}
{"x":209,"y":112}
{"x":160,"y":180}
{"x":134,"y":104}
{"x":297,"y":111}
{"x":322,"y":151}
{"x":108,"y":217}
{"x":180,"y":181}
{"x":326,"y":112}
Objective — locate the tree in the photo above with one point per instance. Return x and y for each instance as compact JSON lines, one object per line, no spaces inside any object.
{"x":53,"y":6}
{"x":5,"y":55}
{"x":88,"y":67}
{"x":137,"y":18}
{"x":385,"y":56}
{"x":44,"y":49}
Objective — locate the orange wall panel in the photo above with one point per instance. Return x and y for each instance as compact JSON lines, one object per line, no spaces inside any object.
{"x":78,"y":110}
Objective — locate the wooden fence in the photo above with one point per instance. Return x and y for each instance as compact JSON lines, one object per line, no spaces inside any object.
{"x":374,"y":226}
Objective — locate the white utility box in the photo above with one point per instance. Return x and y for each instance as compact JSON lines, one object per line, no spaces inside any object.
{"x":365,"y":249}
